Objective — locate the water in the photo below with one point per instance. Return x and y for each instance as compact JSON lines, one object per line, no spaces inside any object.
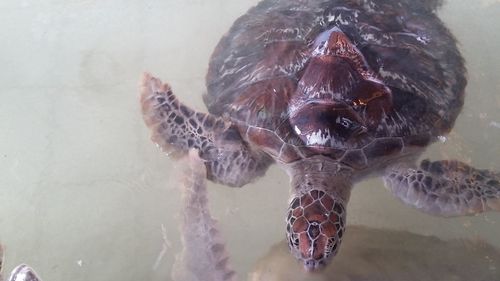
{"x":86,"y":196}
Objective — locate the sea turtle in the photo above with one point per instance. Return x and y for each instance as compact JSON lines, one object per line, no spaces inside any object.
{"x":333,"y":91}
{"x":373,"y":251}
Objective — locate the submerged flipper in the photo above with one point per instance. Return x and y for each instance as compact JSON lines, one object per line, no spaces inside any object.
{"x":446,"y":188}
{"x":203,"y":256}
{"x":23,"y":273}
{"x":176,"y":128}
{"x":20,"y":273}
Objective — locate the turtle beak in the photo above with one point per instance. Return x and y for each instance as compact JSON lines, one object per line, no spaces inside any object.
{"x":313,"y":265}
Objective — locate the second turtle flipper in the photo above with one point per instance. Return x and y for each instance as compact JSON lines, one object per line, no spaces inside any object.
{"x":176,"y":128}
{"x":203,"y":256}
{"x":446,"y":188}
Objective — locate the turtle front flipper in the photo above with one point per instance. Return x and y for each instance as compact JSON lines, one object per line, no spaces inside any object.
{"x":176,"y":128}
{"x":204,"y":255}
{"x":446,"y":188}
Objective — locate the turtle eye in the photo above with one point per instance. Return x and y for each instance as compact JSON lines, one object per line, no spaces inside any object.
{"x":345,"y":122}
{"x":348,"y":126}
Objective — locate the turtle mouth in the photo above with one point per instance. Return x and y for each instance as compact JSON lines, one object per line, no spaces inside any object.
{"x":314,"y":265}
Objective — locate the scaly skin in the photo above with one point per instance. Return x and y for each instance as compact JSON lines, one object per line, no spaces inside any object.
{"x":332,"y":91}
{"x":315,"y":226}
{"x":203,"y":256}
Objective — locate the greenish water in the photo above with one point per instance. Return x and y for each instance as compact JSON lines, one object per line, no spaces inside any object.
{"x":86,"y":196}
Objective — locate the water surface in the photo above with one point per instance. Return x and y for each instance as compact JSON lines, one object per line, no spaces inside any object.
{"x":86,"y":195}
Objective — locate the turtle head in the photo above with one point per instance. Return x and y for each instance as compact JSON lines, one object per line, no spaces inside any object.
{"x":315,"y":225}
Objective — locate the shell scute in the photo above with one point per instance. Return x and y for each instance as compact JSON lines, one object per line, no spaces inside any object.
{"x":398,"y":75}
{"x":355,"y":158}
{"x":262,"y":104}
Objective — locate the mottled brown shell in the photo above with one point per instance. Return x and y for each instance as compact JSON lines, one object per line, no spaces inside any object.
{"x":255,"y":69}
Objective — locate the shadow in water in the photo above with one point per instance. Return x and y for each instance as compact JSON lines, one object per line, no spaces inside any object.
{"x":388,"y":255}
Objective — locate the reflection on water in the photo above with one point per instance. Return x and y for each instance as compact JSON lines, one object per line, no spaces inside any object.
{"x":85,"y":196}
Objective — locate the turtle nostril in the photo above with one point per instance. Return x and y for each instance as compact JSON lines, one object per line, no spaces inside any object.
{"x":310,"y":265}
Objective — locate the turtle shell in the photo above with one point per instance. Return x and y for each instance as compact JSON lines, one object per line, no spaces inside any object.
{"x":257,"y":68}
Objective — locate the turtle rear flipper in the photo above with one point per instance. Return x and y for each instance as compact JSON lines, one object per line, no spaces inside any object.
{"x":446,"y":188}
{"x":177,"y":128}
